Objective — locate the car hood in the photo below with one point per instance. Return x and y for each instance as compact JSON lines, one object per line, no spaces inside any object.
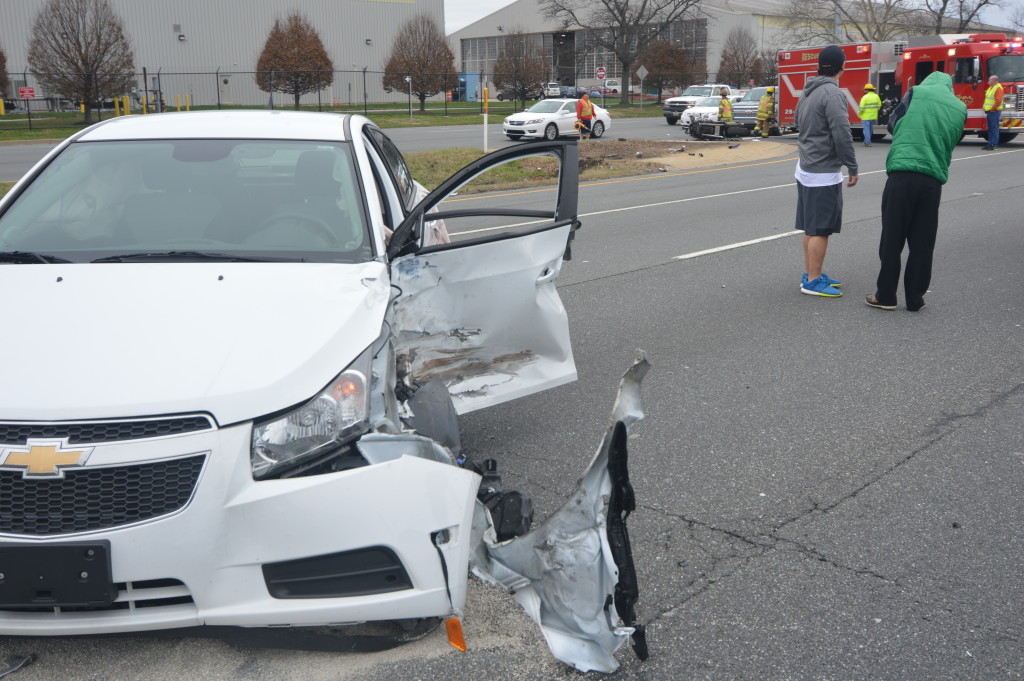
{"x":527,"y":116}
{"x":236,"y":340}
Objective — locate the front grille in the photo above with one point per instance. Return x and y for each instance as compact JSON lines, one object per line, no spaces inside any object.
{"x":1019,"y":106}
{"x":153,"y":593}
{"x":678,"y":107}
{"x":516,"y":123}
{"x":90,"y":499}
{"x":96,"y":432}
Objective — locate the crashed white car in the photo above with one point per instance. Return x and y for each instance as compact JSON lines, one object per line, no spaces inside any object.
{"x":231,"y":389}
{"x":706,"y":109}
{"x":553,"y":118}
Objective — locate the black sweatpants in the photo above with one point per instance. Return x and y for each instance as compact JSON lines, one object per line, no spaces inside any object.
{"x":910,"y":216}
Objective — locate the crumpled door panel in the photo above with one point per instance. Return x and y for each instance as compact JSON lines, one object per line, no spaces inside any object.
{"x":574,"y":574}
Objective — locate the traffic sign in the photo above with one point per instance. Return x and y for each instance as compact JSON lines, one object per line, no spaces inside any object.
{"x":26,"y":93}
{"x":600,"y":73}
{"x":642,"y":72}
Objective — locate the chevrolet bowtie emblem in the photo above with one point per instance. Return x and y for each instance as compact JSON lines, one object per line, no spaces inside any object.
{"x":43,"y":459}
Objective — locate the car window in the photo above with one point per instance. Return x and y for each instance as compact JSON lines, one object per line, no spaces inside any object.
{"x":545,"y":106}
{"x":396,"y":164}
{"x":695,"y":91}
{"x":257,"y":198}
{"x":568,"y":107}
{"x":755,"y":95}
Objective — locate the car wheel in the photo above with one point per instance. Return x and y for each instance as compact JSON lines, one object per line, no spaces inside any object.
{"x":500,"y":97}
{"x":597,"y":130}
{"x":671,"y":120}
{"x":551,"y":132}
{"x":1005,"y":137}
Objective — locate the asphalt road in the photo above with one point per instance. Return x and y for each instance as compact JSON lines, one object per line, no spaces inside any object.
{"x":825,"y":490}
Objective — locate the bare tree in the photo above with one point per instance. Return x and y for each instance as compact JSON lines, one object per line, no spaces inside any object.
{"x":667,"y":66}
{"x":739,"y":57}
{"x":421,"y":52}
{"x":5,"y":84}
{"x":766,"y":67}
{"x":294,"y":60}
{"x":956,"y":16}
{"x":79,"y":51}
{"x":521,"y":66}
{"x":623,"y":27}
{"x":1017,"y":17}
{"x":846,"y":21}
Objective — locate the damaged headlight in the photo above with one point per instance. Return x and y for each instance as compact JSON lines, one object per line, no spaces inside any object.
{"x":332,"y":418}
{"x":535,"y":121}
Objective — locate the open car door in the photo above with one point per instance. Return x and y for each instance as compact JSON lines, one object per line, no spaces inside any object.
{"x":481,"y":312}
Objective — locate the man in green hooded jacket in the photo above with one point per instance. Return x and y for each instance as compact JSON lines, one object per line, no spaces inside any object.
{"x":925,"y":128}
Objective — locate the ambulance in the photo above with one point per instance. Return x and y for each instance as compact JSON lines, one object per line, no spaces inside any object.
{"x":894,"y":67}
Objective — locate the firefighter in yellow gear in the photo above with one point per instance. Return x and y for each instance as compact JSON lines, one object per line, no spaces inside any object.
{"x":870,"y":103}
{"x":765,"y":112}
{"x":725,"y":108}
{"x":993,"y":107}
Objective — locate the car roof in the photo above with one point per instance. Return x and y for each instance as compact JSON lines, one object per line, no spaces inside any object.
{"x":244,"y":124}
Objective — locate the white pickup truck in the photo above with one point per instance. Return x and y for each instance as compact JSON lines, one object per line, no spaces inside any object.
{"x":675,"y":106}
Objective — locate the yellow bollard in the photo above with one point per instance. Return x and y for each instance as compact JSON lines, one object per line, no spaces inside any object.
{"x":117,"y":106}
{"x":3,"y":111}
{"x":177,"y":101}
{"x":126,"y":105}
{"x":188,"y":103}
{"x":145,"y":106}
{"x":81,"y":105}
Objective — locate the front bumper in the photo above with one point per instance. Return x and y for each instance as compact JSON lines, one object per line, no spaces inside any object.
{"x":535,"y":130}
{"x":204,"y":564}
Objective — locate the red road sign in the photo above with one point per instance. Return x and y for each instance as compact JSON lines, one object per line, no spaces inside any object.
{"x":600,"y":73}
{"x":26,"y":93}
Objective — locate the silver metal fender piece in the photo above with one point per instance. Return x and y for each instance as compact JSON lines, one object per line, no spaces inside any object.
{"x":574,"y":574}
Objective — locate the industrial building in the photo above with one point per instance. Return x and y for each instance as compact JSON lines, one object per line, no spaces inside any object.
{"x":208,"y":49}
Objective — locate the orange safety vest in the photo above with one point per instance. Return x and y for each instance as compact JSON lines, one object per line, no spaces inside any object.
{"x":584,"y":110}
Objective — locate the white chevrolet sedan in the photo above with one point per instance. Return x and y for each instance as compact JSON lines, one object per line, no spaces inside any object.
{"x":553,"y":118}
{"x":706,"y":109}
{"x":243,"y":339}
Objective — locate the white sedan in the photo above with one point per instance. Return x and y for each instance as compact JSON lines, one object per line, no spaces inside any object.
{"x":551,"y":119}
{"x":706,"y":108}
{"x":235,"y":401}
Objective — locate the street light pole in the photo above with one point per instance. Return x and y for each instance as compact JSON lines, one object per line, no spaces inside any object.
{"x":408,"y":79}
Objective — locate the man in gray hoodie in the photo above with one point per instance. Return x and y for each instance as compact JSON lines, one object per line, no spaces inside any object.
{"x":825,"y":145}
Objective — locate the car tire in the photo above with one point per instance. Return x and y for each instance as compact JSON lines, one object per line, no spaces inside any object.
{"x":671,"y":120}
{"x":1005,"y":137}
{"x":597,"y":130}
{"x":551,"y":132}
{"x":500,"y":97}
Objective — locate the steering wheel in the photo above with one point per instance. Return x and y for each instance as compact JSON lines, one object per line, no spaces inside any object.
{"x":320,"y":227}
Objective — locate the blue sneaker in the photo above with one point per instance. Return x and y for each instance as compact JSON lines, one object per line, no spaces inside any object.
{"x":820,"y":287}
{"x":834,"y":283}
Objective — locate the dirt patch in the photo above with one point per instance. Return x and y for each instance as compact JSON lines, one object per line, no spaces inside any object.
{"x":636,"y":157}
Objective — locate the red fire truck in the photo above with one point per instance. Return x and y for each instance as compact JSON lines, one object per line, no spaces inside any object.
{"x":894,"y":67}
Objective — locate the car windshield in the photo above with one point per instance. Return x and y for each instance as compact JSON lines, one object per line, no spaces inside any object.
{"x":697,"y":91}
{"x":245,"y":199}
{"x":546,"y":106}
{"x":754,"y":95}
{"x":710,"y":101}
{"x":1009,"y":67}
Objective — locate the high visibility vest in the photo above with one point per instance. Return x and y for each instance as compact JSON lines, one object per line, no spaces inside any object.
{"x":994,"y":98}
{"x":586,"y":109}
{"x":725,"y":110}
{"x":869,"y":106}
{"x":766,"y":107}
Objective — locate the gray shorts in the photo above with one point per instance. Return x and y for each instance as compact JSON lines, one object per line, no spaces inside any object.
{"x":819,"y":210}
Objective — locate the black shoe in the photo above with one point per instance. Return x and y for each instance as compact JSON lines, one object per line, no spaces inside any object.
{"x":872,"y":301}
{"x":915,"y":308}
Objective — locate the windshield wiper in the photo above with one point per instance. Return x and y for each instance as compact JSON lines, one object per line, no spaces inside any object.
{"x":29,"y":257}
{"x":190,"y":255}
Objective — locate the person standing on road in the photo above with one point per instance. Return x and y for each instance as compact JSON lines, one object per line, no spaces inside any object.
{"x":725,"y":108}
{"x":825,"y":145}
{"x":584,"y":115}
{"x":870,"y":103}
{"x":925,"y":128}
{"x":993,"y":107}
{"x":765,"y":113}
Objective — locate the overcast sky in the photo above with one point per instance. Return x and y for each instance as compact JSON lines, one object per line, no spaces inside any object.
{"x":461,"y":13}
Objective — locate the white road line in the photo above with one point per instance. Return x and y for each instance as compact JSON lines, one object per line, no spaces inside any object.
{"x":729,"y":247}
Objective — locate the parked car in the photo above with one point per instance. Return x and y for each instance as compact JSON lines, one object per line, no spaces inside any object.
{"x":553,"y":90}
{"x":553,"y":118}
{"x":706,"y":108}
{"x":246,"y":342}
{"x":611,"y":86}
{"x":532,"y":93}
